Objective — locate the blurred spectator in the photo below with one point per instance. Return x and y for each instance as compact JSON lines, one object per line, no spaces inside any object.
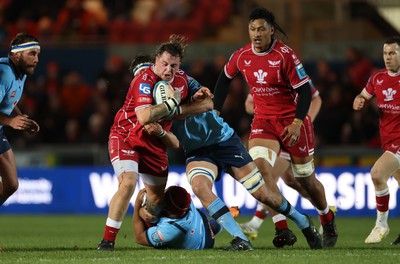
{"x":174,"y":9}
{"x":75,"y":96}
{"x":143,"y":11}
{"x":77,"y":23}
{"x":359,"y":68}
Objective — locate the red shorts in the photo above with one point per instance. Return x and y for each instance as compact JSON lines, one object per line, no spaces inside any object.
{"x":150,"y":162}
{"x":391,"y":145}
{"x":273,"y":128}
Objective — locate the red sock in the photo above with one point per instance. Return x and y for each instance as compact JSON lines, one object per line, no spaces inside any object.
{"x":382,"y":203}
{"x":110,"y":233}
{"x":281,"y":225}
{"x":326,"y":218}
{"x":260,"y":214}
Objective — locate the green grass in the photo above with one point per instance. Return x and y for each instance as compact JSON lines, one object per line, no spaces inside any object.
{"x":73,"y":239}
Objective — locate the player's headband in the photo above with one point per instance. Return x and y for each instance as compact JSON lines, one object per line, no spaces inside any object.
{"x":25,"y":46}
{"x":140,"y":67}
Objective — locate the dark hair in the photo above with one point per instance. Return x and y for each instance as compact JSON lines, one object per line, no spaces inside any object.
{"x":139,"y":59}
{"x":263,"y":13}
{"x":21,"y":38}
{"x":393,"y":39}
{"x":175,"y":46}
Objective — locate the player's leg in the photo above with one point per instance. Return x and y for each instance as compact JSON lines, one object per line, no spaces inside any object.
{"x":384,"y":167}
{"x":126,"y":168}
{"x":250,"y":228}
{"x":251,"y":176}
{"x":303,"y":170}
{"x":8,"y":173}
{"x":117,"y":209}
{"x":396,"y":175}
{"x":201,"y":176}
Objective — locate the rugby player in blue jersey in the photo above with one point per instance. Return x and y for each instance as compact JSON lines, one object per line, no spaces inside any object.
{"x":211,"y":146}
{"x":22,"y":60}
{"x":181,"y":225}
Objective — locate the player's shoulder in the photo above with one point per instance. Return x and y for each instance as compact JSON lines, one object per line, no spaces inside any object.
{"x":242,"y":50}
{"x":282,"y":48}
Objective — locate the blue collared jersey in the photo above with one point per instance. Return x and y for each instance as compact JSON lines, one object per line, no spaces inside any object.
{"x":179,"y":233}
{"x":11,"y":86}
{"x":201,"y":130}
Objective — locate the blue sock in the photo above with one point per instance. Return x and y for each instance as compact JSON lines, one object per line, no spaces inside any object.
{"x":289,"y":211}
{"x":218,"y":210}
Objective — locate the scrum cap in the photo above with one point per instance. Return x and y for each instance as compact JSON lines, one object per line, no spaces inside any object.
{"x":177,"y":200}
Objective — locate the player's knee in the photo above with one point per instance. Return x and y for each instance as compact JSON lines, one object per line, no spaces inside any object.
{"x":303,"y":170}
{"x":253,"y":181}
{"x":264,"y":153}
{"x":200,"y":172}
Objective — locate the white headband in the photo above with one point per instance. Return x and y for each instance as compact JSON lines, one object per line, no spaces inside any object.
{"x":25,"y":46}
{"x":140,"y":67}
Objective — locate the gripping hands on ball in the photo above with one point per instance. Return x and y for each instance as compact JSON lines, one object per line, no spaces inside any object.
{"x":164,"y":93}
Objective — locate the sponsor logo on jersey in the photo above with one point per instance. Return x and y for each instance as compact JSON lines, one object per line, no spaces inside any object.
{"x":144,"y":100}
{"x":247,"y":63}
{"x":257,"y":131}
{"x":379,"y":82}
{"x":260,"y":75}
{"x":13,"y":94}
{"x":128,"y":152}
{"x":295,"y":59}
{"x":301,"y":72}
{"x":284,"y":49}
{"x":303,"y":149}
{"x":164,"y":168}
{"x":145,"y":88}
{"x":389,"y":93}
{"x":274,"y":63}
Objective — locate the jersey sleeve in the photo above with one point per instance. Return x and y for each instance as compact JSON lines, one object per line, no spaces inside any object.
{"x":294,"y":70}
{"x":3,"y":84}
{"x":193,"y":85}
{"x":142,"y":91}
{"x":231,"y":67}
{"x":369,"y":89}
{"x":161,"y":235}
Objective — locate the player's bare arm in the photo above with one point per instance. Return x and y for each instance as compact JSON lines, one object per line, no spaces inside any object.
{"x":156,"y":112}
{"x":139,"y":225}
{"x":167,"y":137}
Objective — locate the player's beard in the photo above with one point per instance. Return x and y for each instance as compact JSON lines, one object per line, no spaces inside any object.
{"x":27,"y":68}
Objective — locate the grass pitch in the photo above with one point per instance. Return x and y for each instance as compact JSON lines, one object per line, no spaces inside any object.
{"x":73,"y":239}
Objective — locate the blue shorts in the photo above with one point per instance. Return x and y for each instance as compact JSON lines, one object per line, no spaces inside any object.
{"x":4,"y":144}
{"x":209,"y":239}
{"x":227,"y":154}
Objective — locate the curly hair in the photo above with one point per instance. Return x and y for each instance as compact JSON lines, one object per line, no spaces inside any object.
{"x":175,"y":46}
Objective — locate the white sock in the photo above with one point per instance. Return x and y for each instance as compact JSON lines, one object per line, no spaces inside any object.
{"x":381,"y":219}
{"x":113,"y":223}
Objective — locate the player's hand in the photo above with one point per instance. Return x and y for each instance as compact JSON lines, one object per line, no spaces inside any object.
{"x":202,"y":93}
{"x":358,"y":102}
{"x":34,"y":128}
{"x":177,"y":96}
{"x":292,"y":132}
{"x":21,"y":122}
{"x":154,"y":129}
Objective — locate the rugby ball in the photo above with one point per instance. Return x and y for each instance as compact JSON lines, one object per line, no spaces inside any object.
{"x":162,"y":92}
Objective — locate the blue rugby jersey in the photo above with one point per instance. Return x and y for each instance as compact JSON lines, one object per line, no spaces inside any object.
{"x":11,"y":87}
{"x":201,"y":130}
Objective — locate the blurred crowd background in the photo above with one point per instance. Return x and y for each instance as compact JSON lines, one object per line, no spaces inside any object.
{"x":87,"y":46}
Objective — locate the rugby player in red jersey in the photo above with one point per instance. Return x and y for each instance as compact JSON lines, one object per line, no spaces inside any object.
{"x":140,"y":134}
{"x":384,"y":85}
{"x":276,"y":77}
